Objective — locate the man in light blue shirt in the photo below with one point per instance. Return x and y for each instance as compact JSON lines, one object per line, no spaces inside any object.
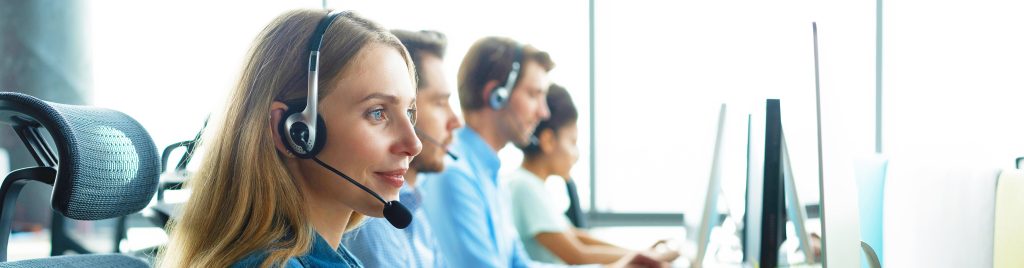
{"x":377,"y":243}
{"x":502,"y":91}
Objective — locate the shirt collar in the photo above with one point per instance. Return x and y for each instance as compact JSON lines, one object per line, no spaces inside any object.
{"x":472,"y":143}
{"x":322,"y":253}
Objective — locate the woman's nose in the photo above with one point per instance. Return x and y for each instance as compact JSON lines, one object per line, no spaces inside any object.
{"x":407,"y":143}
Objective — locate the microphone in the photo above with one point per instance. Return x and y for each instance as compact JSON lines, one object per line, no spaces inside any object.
{"x":394,"y":211}
{"x":433,"y":141}
{"x":532,"y":141}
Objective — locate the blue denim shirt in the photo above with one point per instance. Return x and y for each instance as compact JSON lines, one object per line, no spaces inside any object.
{"x":379,"y":244}
{"x":467,"y":211}
{"x":320,"y":255}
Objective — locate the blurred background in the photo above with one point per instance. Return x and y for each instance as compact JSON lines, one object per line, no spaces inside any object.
{"x":926,"y":80}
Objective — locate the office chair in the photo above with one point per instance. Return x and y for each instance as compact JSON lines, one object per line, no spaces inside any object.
{"x":575,"y":212}
{"x":870,"y":175}
{"x":162,"y":212}
{"x":105,"y":166}
{"x":1008,"y":240}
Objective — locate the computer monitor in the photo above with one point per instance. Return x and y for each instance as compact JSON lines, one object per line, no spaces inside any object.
{"x":771,"y":192}
{"x":773,"y":205}
{"x":751,"y":232}
{"x":768,"y":174}
{"x":758,"y":161}
{"x":795,"y":208}
{"x":710,"y":217}
{"x":840,"y":239}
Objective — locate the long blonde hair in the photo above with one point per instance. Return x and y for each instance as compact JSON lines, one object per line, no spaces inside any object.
{"x":243,"y":198}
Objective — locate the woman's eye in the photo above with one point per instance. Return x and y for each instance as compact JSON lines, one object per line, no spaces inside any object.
{"x":377,"y":115}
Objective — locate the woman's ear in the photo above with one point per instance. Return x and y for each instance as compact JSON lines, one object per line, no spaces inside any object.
{"x":548,"y":141}
{"x":277,"y":111}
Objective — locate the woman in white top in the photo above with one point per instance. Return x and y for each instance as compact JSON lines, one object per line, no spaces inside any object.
{"x":545,"y":231}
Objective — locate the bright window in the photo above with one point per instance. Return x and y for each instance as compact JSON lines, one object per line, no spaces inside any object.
{"x":663,"y":69}
{"x":953,"y":86}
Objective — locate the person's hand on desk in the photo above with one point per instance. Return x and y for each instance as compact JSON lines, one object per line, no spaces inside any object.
{"x":665,"y":250}
{"x":816,"y":245}
{"x":638,"y":260}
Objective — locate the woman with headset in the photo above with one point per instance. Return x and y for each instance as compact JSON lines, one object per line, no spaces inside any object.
{"x":315,"y":135}
{"x":546,"y":233}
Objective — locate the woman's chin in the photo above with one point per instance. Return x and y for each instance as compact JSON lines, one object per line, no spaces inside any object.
{"x":391,"y":196}
{"x":374,"y":209}
{"x":388,"y":194}
{"x":376,"y":213}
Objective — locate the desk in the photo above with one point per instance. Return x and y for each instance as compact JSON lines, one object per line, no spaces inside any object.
{"x":724,"y":248}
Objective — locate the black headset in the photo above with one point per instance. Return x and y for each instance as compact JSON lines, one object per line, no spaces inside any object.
{"x":305,"y":141}
{"x":295,"y":131}
{"x":500,"y":95}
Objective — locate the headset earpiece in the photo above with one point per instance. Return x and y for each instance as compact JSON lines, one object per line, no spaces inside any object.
{"x":296,"y":136}
{"x":500,"y":95}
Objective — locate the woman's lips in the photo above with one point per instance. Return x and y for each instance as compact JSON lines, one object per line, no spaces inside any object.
{"x":394,"y":178}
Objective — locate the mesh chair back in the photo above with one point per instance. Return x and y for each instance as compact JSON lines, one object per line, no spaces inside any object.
{"x":108,"y":166}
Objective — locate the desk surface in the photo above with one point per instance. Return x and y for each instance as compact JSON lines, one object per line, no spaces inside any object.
{"x":723,"y":250}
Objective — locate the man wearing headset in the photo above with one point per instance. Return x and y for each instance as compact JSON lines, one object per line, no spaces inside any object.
{"x":376,"y":243}
{"x":502,"y":92}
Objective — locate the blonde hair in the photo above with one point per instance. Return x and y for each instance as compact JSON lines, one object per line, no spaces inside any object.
{"x":243,"y":199}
